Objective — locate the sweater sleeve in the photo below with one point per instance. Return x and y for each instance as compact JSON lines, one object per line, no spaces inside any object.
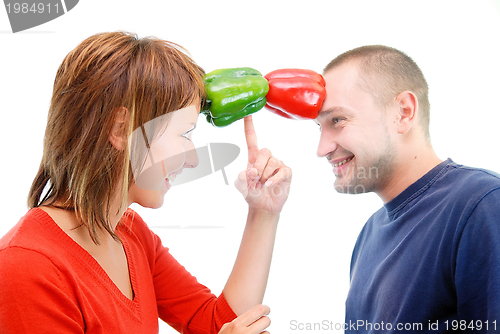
{"x":33,"y":297}
{"x":183,"y":303}
{"x":477,"y":274}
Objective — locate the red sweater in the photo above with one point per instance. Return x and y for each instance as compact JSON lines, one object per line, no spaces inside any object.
{"x":49,"y":284}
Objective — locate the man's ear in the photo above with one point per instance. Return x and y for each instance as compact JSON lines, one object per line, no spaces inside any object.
{"x":407,"y":104}
{"x":118,"y":135}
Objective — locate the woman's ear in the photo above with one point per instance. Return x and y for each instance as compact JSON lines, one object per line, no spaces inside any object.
{"x":407,"y":103}
{"x":118,"y":135}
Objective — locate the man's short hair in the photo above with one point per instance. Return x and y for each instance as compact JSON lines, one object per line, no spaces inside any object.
{"x":385,"y":73}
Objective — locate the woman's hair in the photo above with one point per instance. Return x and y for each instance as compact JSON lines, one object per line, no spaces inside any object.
{"x":80,"y":168}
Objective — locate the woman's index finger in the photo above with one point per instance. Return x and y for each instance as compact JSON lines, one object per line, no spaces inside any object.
{"x":251,"y":137}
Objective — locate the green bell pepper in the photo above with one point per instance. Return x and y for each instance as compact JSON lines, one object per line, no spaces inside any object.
{"x":233,"y":93}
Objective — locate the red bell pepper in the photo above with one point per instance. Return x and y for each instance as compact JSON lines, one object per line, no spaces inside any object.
{"x":295,"y":93}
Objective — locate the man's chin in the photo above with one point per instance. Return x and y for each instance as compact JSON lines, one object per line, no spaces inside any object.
{"x":349,"y":188}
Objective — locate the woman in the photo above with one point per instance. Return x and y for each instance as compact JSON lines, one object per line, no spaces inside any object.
{"x":79,"y":261}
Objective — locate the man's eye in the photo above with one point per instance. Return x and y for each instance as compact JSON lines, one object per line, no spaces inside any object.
{"x":336,"y":120}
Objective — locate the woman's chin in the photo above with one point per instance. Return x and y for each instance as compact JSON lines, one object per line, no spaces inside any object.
{"x":157,"y":201}
{"x":151,"y":199}
{"x":152,"y":204}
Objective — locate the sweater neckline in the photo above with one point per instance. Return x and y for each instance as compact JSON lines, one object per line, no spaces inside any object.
{"x":83,"y":256}
{"x":415,"y":189}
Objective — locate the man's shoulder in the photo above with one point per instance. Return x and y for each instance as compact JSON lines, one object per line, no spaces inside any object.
{"x":467,"y":180}
{"x":477,"y":171}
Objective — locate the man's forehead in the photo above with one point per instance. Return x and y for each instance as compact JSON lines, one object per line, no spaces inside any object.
{"x":345,"y":70}
{"x":341,"y":81}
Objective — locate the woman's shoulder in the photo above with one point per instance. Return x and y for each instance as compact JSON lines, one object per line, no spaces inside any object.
{"x":35,"y":245}
{"x":133,"y":224}
{"x":21,"y":264}
{"x":132,"y":221}
{"x":139,"y":238}
{"x":35,"y":231}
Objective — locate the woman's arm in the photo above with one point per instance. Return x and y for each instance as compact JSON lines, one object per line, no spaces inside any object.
{"x":34,"y":297}
{"x":247,"y":283}
{"x":265,"y":185}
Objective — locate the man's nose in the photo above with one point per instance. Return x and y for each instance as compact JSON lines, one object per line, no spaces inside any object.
{"x":327,"y":144}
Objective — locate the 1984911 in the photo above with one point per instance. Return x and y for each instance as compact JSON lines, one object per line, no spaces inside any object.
{"x":35,"y":8}
{"x":472,"y":325}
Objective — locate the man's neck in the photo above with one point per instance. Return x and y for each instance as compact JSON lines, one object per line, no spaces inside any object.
{"x":408,"y":170}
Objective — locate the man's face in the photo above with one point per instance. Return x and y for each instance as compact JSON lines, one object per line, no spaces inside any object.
{"x":355,"y":136}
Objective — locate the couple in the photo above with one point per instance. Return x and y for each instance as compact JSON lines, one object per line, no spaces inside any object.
{"x":80,"y":261}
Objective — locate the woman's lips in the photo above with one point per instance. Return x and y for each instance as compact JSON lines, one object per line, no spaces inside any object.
{"x":171,"y":178}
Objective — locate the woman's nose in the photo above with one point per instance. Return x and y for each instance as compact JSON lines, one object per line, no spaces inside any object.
{"x":191,"y":156}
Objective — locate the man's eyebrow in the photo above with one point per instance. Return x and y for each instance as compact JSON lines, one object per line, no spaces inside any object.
{"x":327,"y":112}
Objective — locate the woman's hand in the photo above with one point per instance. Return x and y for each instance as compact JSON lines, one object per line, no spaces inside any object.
{"x":254,"y":321}
{"x":265,"y":183}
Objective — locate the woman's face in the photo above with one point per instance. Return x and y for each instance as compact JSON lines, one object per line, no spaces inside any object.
{"x":166,"y":156}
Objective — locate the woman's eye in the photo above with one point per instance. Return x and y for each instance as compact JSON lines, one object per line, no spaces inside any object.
{"x":188,"y":133}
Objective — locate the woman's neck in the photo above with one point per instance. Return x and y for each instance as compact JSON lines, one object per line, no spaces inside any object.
{"x":65,"y":217}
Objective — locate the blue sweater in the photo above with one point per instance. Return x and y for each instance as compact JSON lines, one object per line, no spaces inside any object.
{"x":429,"y":260}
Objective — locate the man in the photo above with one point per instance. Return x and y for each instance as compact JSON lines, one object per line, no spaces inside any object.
{"x":429,"y":259}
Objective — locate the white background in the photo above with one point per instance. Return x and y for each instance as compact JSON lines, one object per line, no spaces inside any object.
{"x":456,"y":44}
